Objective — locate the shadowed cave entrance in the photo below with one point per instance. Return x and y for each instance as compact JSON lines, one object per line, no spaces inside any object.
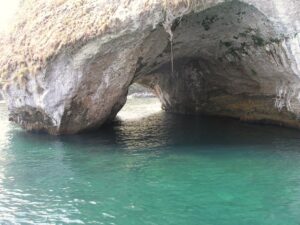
{"x":229,"y":61}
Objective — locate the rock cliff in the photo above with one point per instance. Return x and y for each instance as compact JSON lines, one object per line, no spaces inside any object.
{"x":67,"y":65}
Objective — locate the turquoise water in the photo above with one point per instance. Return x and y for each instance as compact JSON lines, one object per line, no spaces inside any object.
{"x":164,"y":169}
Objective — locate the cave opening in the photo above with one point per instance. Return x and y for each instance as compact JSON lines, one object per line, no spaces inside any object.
{"x":228,"y":60}
{"x":141,"y":102}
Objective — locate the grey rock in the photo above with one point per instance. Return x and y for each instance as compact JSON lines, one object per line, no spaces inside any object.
{"x":228,"y":58}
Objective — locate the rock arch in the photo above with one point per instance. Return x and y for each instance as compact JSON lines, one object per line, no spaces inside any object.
{"x":226,"y":58}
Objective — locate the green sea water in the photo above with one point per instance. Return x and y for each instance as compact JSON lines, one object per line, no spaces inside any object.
{"x":163,"y":169}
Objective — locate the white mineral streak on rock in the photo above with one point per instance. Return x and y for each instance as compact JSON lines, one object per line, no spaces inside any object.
{"x":292,"y":48}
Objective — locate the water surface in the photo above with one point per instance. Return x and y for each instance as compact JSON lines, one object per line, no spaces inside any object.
{"x":163,"y":169}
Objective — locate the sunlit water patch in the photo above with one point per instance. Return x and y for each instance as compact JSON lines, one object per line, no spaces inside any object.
{"x":162,"y":169}
{"x":138,"y":108}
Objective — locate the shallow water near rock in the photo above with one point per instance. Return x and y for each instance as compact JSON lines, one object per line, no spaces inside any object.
{"x":163,"y":169}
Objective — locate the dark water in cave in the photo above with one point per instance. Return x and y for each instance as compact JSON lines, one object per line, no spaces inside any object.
{"x":162,"y":169}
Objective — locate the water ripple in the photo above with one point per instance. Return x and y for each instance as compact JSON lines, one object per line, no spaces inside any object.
{"x":163,"y":169}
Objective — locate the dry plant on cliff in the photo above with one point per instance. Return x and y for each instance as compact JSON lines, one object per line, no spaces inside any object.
{"x":43,"y":29}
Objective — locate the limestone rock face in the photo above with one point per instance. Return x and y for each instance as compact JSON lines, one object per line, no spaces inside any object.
{"x":228,"y":58}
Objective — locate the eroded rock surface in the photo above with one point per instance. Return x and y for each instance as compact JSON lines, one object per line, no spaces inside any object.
{"x":228,"y":58}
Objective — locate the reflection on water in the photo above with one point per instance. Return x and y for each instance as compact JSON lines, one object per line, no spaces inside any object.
{"x":163,"y":169}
